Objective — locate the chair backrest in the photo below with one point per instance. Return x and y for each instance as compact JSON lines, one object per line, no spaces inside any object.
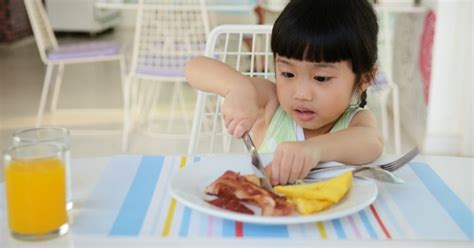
{"x":168,"y":33}
{"x":44,"y":36}
{"x":226,"y":43}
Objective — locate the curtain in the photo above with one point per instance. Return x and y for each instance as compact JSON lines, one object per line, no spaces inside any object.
{"x":450,"y":119}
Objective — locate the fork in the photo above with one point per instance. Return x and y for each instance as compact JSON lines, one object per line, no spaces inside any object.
{"x":380,"y":172}
{"x":376,"y":173}
{"x":391,"y":166}
{"x":399,"y":163}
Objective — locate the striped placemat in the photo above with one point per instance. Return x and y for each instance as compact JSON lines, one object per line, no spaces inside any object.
{"x":132,"y":199}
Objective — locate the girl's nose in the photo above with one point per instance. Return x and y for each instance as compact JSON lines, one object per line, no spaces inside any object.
{"x":303,"y":91}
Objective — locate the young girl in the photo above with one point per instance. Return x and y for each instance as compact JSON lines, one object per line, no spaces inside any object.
{"x":325,"y":59}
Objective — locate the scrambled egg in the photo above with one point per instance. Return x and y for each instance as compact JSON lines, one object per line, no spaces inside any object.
{"x":315,"y":197}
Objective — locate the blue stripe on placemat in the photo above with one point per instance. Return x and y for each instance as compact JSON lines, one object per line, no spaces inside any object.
{"x":163,"y":198}
{"x":183,"y":230}
{"x":262,"y":231}
{"x":339,"y":230}
{"x":446,"y":197}
{"x":98,"y":212}
{"x":367,"y":225}
{"x":426,"y":216}
{"x":228,"y":228}
{"x":132,"y":213}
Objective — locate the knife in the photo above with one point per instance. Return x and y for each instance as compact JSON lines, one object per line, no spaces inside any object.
{"x":257,"y":165}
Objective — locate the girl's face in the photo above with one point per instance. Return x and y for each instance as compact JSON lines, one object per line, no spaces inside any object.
{"x":314,"y":94}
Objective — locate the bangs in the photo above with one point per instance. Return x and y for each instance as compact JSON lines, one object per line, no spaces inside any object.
{"x":320,"y":33}
{"x":322,"y":46}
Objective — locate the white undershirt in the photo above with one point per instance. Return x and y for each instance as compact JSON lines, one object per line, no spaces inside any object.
{"x":298,"y":131}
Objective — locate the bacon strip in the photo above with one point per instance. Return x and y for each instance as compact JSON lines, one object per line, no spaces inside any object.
{"x":233,"y":185}
{"x":232,"y":204}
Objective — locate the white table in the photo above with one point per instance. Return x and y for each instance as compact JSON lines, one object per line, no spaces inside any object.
{"x":457,"y":172}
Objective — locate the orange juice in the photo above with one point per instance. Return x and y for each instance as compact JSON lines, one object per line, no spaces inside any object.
{"x":36,"y":195}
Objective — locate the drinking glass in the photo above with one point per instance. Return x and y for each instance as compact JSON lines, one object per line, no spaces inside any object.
{"x":35,"y":186}
{"x":49,"y":134}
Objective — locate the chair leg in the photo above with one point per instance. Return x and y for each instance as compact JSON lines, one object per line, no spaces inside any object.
{"x":133,"y":84}
{"x":215,"y":118}
{"x":57,"y":87}
{"x":154,"y":101}
{"x":44,"y":94}
{"x":126,"y":105}
{"x":136,"y":86}
{"x":197,"y":119}
{"x":396,"y":119}
{"x":182,"y":105}
{"x":147,"y":100}
{"x":173,"y":106}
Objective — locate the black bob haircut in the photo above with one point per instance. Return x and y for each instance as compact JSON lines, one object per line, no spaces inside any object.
{"x":329,"y":31}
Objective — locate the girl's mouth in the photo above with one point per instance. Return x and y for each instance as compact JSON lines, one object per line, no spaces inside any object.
{"x":304,"y":115}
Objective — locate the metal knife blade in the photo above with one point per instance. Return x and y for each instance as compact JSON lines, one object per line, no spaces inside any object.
{"x":257,"y":167}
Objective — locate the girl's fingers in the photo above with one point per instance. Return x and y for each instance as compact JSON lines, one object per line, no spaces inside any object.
{"x":296,"y":168}
{"x":275,"y":167}
{"x":239,"y":131}
{"x":285,"y":167}
{"x":235,"y":127}
{"x":232,"y":126}
{"x":305,"y":169}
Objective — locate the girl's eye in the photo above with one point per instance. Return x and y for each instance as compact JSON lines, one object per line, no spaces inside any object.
{"x":322,"y":79}
{"x":287,"y":74}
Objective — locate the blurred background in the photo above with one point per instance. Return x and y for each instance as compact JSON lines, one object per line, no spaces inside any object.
{"x":425,"y":54}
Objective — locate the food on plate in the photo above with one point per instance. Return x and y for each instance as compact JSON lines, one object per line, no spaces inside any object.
{"x":253,"y":179}
{"x":315,"y":197}
{"x":231,"y":203}
{"x":232,"y":185}
{"x":231,"y":189}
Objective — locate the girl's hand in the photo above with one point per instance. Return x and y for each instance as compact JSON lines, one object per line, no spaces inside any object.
{"x":292,"y":161}
{"x":240,"y":111}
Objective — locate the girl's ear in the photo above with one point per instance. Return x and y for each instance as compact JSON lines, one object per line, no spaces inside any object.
{"x":366,"y":82}
{"x":368,"y":79}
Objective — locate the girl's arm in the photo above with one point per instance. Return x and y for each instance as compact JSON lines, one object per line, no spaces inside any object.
{"x":360,"y":143}
{"x":244,"y":97}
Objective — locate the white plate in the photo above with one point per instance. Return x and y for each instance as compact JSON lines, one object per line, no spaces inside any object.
{"x":188,"y":184}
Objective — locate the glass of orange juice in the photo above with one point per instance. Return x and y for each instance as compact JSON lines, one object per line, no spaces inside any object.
{"x":35,"y":185}
{"x":49,"y":134}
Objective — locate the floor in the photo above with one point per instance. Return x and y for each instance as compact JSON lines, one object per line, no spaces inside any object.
{"x":84,"y":86}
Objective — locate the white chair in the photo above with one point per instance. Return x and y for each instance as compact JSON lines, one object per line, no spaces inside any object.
{"x":167,"y":34}
{"x":226,"y":43}
{"x":55,"y":56}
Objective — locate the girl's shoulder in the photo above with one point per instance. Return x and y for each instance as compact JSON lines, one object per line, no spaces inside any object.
{"x":263,"y":83}
{"x":353,"y":116}
{"x":267,"y":94}
{"x":263,"y":122}
{"x":363,"y":117}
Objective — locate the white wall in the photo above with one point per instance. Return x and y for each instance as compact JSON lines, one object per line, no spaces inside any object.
{"x":450,"y":117}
